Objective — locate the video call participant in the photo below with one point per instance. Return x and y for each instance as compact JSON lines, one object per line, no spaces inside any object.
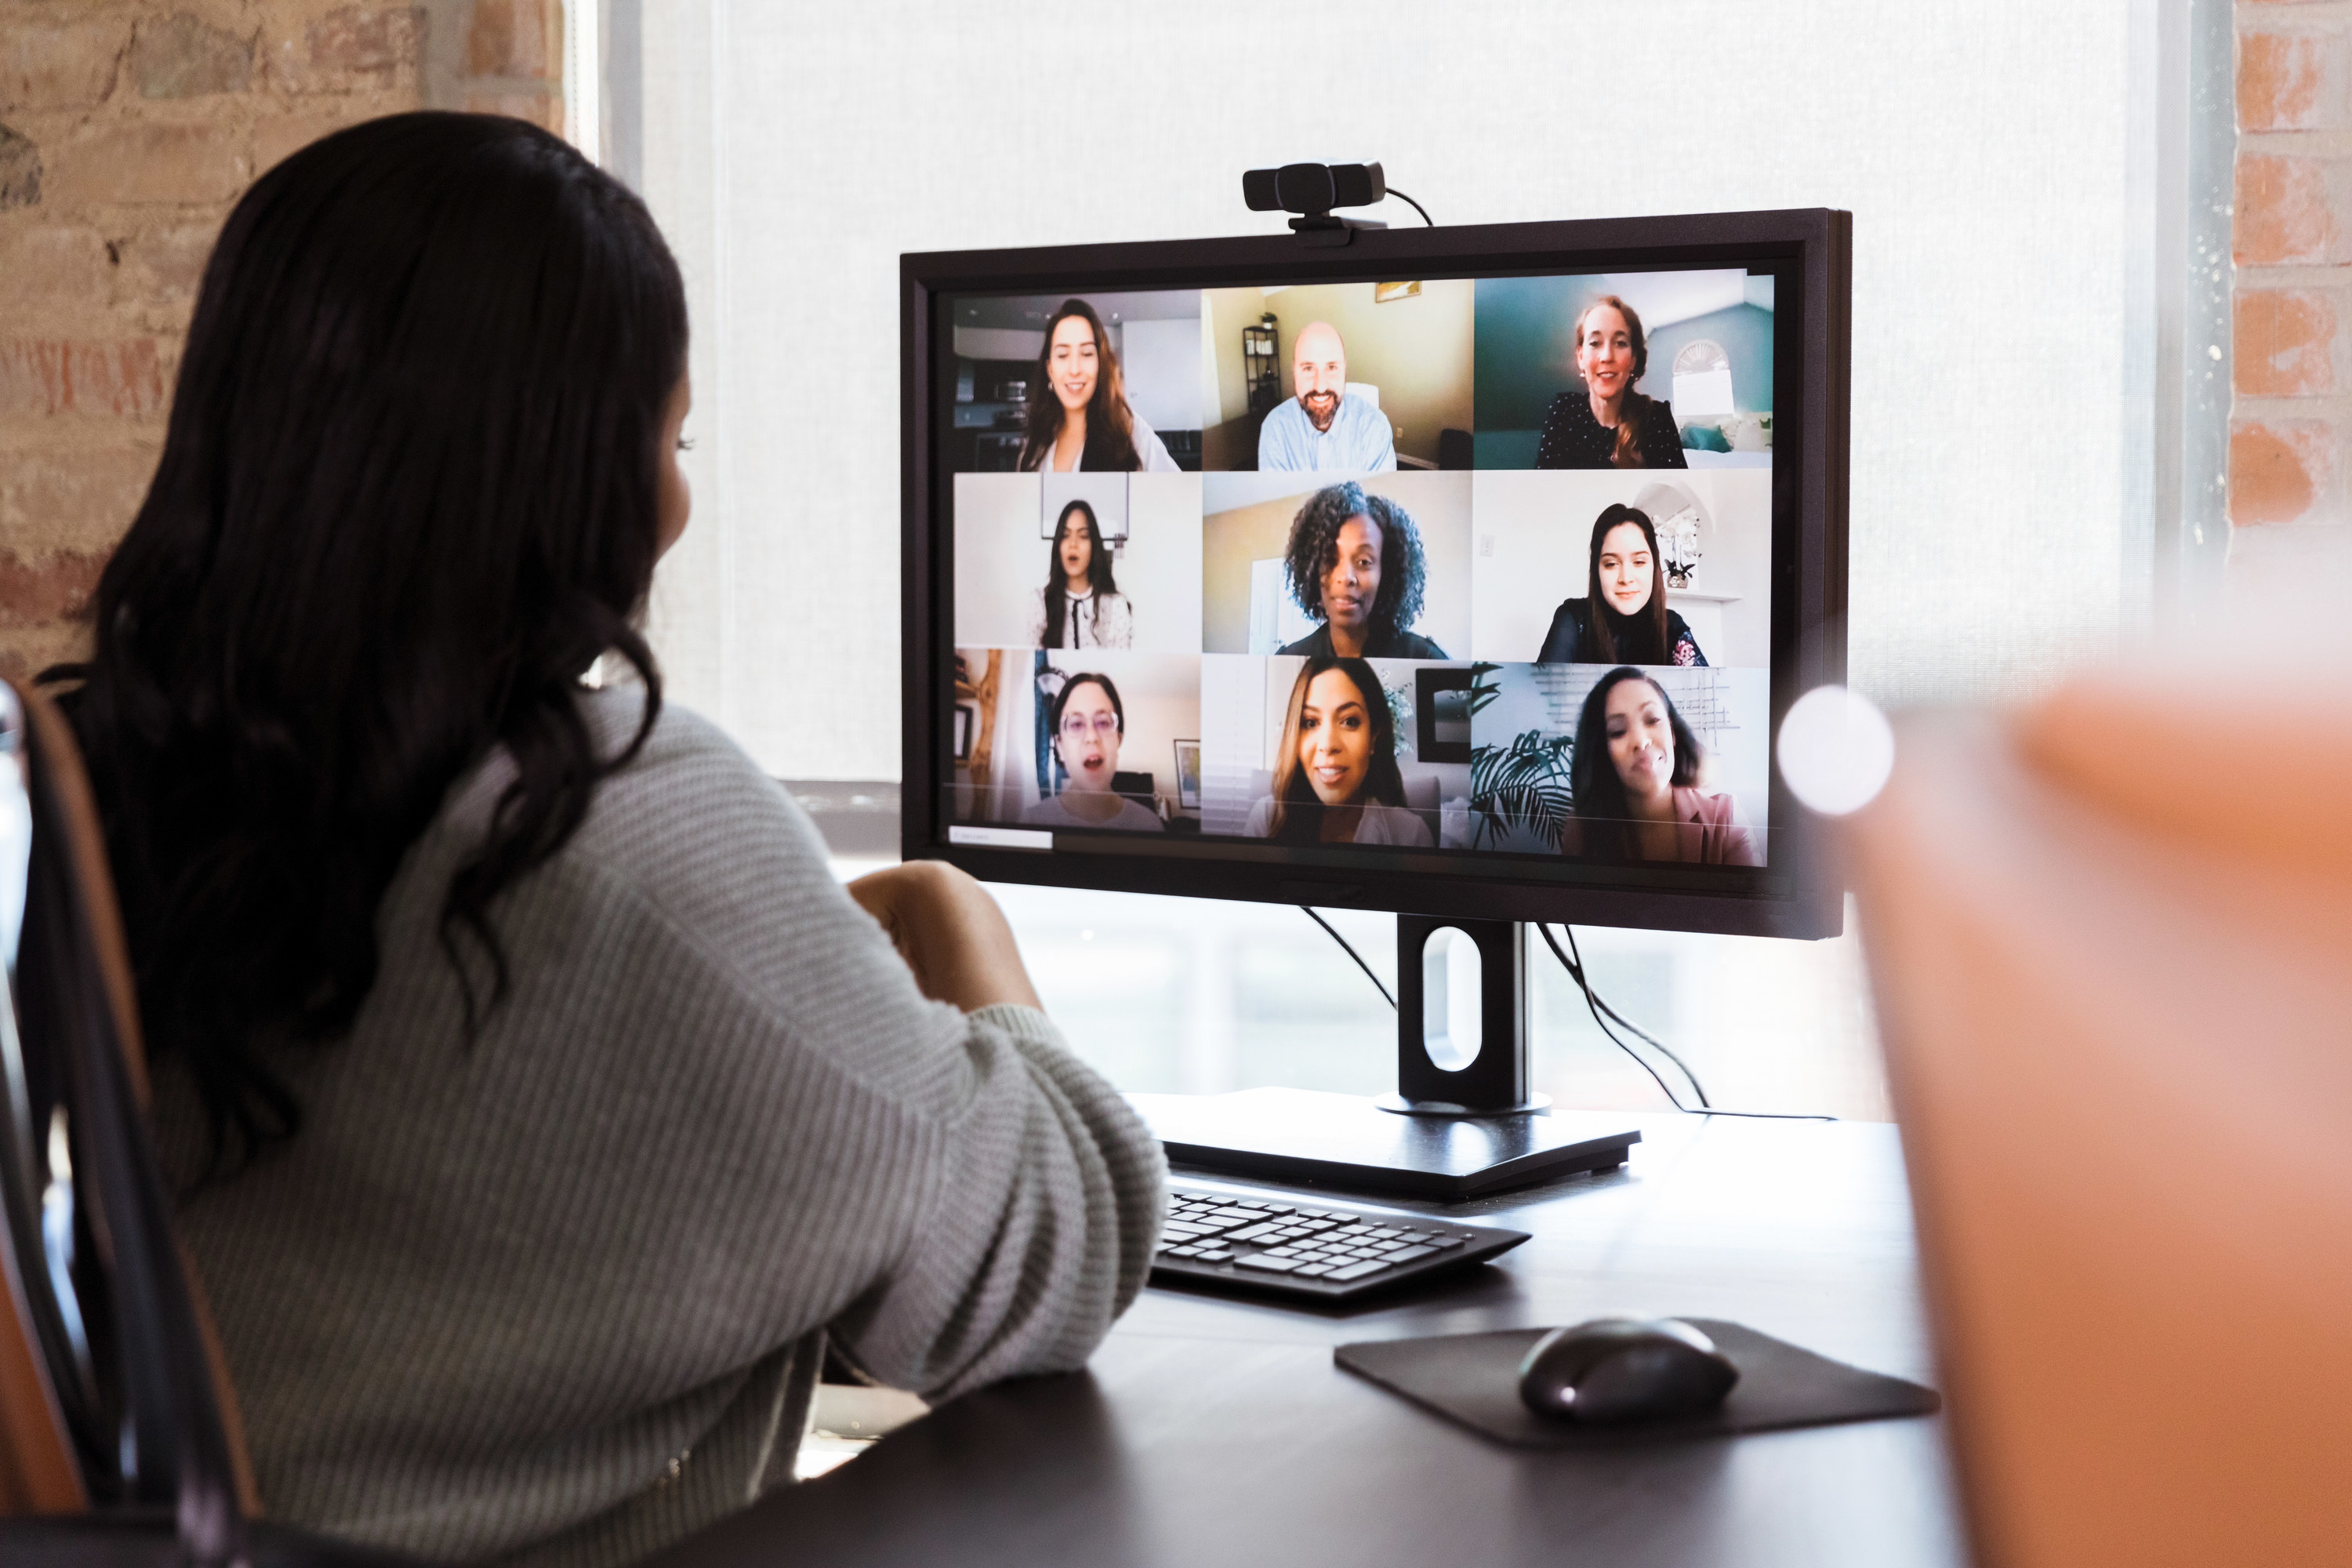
{"x":1605,"y":424}
{"x":1635,"y":784}
{"x":1335,"y":778}
{"x":1088,"y":722}
{"x":1080,"y":605}
{"x":1622,"y":617}
{"x":1355,"y":562}
{"x":1323,"y":429}
{"x":1078,"y":416}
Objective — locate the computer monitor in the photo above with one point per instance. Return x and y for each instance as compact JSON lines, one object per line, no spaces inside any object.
{"x":1464,"y":573}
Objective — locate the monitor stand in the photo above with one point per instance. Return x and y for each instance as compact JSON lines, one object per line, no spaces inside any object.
{"x":1463,"y":1121}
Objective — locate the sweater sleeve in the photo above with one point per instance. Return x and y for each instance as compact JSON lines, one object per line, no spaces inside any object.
{"x":956,"y":1197}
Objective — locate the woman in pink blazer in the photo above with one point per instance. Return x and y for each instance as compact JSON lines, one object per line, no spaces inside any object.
{"x":1635,"y":782}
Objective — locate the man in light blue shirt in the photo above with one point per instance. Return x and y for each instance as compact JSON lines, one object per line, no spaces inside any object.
{"x":1323,"y":429}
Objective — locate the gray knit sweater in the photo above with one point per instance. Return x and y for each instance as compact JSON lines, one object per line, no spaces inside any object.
{"x":561,"y":1297}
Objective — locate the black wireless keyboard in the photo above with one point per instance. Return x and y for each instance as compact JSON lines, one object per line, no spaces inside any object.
{"x":1309,"y":1252}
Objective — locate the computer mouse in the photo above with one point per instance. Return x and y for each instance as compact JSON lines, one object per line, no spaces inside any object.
{"x":1616,"y":1370}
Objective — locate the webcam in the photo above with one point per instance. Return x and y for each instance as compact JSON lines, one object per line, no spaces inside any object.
{"x":1312,"y":190}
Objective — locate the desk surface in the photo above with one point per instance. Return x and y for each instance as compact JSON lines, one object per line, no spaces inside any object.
{"x":1207,"y":1427}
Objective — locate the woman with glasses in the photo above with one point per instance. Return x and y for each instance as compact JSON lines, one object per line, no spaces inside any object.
{"x":1088,"y":723}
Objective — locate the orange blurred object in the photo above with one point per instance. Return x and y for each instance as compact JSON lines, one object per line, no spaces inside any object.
{"x":2111,"y":941}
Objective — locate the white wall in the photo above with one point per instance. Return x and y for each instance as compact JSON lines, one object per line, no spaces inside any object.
{"x":1159,"y":363}
{"x":794,"y":151}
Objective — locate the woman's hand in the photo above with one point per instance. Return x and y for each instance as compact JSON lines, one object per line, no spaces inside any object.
{"x":950,"y":933}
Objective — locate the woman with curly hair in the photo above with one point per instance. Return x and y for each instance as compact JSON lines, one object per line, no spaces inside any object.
{"x":1356,"y":565}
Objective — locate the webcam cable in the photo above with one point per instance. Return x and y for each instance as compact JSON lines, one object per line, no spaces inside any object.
{"x":1349,"y":949}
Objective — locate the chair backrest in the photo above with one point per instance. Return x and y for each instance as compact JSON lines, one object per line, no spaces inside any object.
{"x":1365,"y":390}
{"x":114,"y":1391}
{"x":2112,"y":983}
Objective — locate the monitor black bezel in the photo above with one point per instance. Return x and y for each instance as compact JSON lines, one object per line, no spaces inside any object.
{"x":1800,"y":897}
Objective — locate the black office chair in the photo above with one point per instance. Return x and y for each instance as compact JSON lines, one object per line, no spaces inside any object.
{"x":119,"y":1442}
{"x":1453,"y":449}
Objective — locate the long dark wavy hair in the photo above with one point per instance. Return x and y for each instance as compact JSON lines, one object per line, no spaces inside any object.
{"x":408,"y":494}
{"x":1110,"y":428}
{"x":1635,"y":408}
{"x":1057,"y":582}
{"x":1642,"y":637}
{"x":1604,"y":815}
{"x":1315,"y":546}
{"x":1297,"y":809}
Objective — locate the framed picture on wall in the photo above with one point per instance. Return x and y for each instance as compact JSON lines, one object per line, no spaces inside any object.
{"x":1442,"y":714}
{"x":1187,"y":774}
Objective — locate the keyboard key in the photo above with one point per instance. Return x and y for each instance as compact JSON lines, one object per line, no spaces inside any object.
{"x":1255,"y":1233}
{"x":1214,"y":1254}
{"x":1310,"y":1270}
{"x":1183,"y":1252}
{"x":1442,"y":1242}
{"x":1266,"y":1264}
{"x":1410,"y":1253}
{"x":1357,"y":1270}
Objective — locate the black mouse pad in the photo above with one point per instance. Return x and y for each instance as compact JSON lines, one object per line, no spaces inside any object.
{"x":1474,"y":1379}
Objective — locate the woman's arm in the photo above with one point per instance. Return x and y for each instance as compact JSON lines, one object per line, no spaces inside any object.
{"x":1566,"y":634}
{"x":1115,"y":621}
{"x":951,"y":932}
{"x":946,"y":1188}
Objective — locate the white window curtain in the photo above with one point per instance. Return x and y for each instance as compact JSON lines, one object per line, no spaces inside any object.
{"x":2000,"y":396}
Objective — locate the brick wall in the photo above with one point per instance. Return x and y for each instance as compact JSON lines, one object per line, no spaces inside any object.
{"x":128,"y":128}
{"x":2290,"y":485}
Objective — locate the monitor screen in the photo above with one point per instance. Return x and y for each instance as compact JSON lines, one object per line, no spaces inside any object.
{"x":1447,"y":578}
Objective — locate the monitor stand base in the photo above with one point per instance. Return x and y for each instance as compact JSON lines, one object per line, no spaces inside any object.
{"x":1305,"y":1138}
{"x":1398,"y":1105}
{"x":1463,"y":1119}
